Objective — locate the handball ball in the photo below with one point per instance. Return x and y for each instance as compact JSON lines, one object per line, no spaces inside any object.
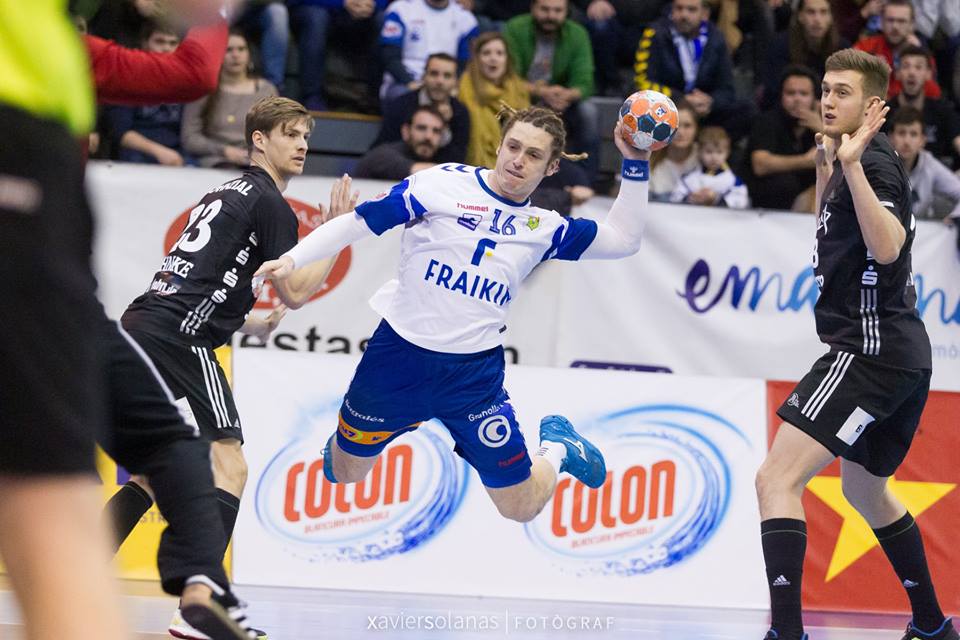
{"x":648,"y":120}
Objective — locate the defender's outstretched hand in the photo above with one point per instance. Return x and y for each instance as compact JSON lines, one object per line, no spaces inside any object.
{"x":629,"y":151}
{"x":341,"y":200}
{"x":851,"y":147}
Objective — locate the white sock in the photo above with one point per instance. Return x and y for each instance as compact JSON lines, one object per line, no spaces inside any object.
{"x":552,"y":452}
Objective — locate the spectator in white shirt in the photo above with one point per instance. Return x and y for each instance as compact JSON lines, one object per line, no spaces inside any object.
{"x":712,"y":182}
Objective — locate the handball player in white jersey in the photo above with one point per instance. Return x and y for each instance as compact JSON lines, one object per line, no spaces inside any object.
{"x":471,"y":236}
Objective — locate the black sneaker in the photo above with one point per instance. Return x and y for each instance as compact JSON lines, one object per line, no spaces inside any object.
{"x":945,"y":632}
{"x":773,"y":635}
{"x":222,"y":618}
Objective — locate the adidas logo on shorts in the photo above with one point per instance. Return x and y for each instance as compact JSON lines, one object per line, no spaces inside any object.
{"x":794,"y":401}
{"x":781,"y":581}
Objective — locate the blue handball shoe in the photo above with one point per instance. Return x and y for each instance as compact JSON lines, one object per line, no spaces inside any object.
{"x":945,"y":632}
{"x":583,"y":460}
{"x":773,"y":635}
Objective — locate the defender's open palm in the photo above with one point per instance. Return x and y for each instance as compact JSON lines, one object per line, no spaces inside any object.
{"x":341,"y":199}
{"x":851,"y":147}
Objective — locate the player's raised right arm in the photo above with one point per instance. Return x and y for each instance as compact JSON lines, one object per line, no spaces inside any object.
{"x":619,"y":235}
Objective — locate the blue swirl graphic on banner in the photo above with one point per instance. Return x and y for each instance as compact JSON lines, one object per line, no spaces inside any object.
{"x":427,"y":521}
{"x":436,"y":484}
{"x":684,"y":434}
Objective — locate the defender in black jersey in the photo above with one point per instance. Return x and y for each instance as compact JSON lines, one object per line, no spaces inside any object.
{"x":862,"y":400}
{"x":204,"y":291}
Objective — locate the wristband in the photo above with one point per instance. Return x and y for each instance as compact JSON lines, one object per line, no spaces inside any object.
{"x":821,"y":146}
{"x":638,"y":170}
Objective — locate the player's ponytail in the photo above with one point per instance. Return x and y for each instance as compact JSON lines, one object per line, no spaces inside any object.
{"x":541,"y":118}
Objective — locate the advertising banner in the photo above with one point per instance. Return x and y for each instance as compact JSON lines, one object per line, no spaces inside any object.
{"x":677,"y":503}
{"x":711,"y":292}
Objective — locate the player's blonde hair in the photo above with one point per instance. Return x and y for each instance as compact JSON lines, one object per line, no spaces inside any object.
{"x":271,"y":111}
{"x":874,"y":70}
{"x":541,"y":118}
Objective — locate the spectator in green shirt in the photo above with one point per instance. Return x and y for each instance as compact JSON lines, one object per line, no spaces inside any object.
{"x":553,"y":54}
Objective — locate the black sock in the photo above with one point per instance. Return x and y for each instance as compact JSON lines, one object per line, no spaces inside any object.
{"x":125,"y":509}
{"x":784,"y":543}
{"x":229,"y":508}
{"x":903,"y":545}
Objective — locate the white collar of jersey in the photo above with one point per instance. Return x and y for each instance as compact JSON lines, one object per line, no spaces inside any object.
{"x":493,"y":194}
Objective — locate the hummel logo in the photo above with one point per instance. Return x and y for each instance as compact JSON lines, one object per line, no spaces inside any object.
{"x":794,"y":401}
{"x":909,"y":584}
{"x":579,"y":446}
{"x":781,"y":582}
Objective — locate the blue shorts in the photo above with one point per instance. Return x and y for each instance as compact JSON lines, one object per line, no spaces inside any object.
{"x":398,"y":385}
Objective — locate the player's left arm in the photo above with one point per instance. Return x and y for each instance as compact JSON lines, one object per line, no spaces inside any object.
{"x":619,"y":235}
{"x":883,"y":233}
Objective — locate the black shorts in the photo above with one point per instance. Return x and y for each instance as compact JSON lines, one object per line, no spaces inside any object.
{"x":859,"y":409}
{"x":51,"y":386}
{"x":197,"y":382}
{"x":143,"y":413}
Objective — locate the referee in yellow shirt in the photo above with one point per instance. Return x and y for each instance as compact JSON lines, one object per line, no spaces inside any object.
{"x":51,"y":397}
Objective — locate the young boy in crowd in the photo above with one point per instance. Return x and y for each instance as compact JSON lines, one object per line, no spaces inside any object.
{"x":712,"y":183}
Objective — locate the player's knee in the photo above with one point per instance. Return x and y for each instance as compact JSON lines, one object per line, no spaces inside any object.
{"x":229,"y":465}
{"x":862,"y":497}
{"x":517,"y":512}
{"x":762,"y":481}
{"x":772,"y":481}
{"x":141,"y":481}
{"x":348,"y":473}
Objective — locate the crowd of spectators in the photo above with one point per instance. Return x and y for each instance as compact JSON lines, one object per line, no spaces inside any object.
{"x":745,"y":75}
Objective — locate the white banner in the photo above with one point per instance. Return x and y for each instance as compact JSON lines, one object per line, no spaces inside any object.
{"x":712,"y":291}
{"x":678,"y":504}
{"x":721,"y":292}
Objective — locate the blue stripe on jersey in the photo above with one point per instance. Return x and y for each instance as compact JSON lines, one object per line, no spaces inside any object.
{"x":552,"y":249}
{"x":579,"y":233}
{"x":496,"y":196}
{"x":571,"y":239}
{"x":417,"y":208}
{"x":391,"y":210}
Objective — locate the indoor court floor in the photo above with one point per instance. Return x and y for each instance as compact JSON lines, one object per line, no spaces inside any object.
{"x":307,"y":614}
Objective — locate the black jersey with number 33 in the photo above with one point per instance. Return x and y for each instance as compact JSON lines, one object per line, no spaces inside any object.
{"x":202,"y":292}
{"x":865,"y":307}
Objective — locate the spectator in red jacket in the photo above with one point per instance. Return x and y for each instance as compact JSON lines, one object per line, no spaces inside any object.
{"x":133,"y":77}
{"x":898,"y":31}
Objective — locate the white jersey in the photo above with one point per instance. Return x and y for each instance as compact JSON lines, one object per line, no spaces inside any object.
{"x":421,"y":30}
{"x":464,"y":252}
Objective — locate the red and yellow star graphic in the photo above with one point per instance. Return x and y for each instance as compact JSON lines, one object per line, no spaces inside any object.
{"x":856,"y":538}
